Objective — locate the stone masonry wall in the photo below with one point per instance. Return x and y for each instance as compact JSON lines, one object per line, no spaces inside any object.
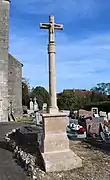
{"x":4,"y":29}
{"x":15,"y":85}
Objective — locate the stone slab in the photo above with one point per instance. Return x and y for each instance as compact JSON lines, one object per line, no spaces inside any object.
{"x":61,"y":161}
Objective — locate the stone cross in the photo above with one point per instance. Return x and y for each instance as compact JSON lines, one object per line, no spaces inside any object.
{"x":51,"y":26}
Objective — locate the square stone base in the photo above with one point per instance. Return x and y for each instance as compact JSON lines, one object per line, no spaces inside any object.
{"x":61,"y":161}
{"x":55,"y":152}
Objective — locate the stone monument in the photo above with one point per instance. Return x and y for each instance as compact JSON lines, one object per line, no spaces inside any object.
{"x":56,"y":153}
{"x":35,"y":105}
{"x":44,"y":107}
{"x":51,"y":55}
{"x":31,"y":105}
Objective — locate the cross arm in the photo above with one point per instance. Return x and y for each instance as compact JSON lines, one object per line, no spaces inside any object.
{"x":58,"y":26}
{"x":8,"y":0}
{"x":44,"y":25}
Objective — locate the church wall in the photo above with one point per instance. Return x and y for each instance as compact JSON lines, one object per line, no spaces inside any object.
{"x":15,"y":85}
{"x":4,"y":29}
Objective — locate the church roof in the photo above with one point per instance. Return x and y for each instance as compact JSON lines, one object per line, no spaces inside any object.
{"x":18,"y":62}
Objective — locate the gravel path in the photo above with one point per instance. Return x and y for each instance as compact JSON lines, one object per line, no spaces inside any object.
{"x":9,"y":170}
{"x":96,"y":164}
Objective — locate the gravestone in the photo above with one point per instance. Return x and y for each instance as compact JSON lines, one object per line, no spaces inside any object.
{"x":94,"y":124}
{"x":35,"y":105}
{"x":94,"y":110}
{"x":38,"y":118}
{"x":55,"y":152}
{"x":108,"y":116}
{"x":31,"y":106}
{"x":44,"y":108}
{"x":103,"y":114}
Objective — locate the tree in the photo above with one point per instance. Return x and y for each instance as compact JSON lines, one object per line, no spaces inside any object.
{"x":65,"y":100}
{"x":76,"y":99}
{"x":41,"y":94}
{"x":97,"y":96}
{"x":71,"y":99}
{"x":102,"y":106}
{"x":102,"y":87}
{"x":25,"y":92}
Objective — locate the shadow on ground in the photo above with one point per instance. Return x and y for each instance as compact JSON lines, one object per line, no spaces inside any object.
{"x":103,"y":147}
{"x":4,"y":145}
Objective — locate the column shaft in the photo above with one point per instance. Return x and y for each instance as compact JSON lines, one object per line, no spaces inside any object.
{"x":52,"y":77}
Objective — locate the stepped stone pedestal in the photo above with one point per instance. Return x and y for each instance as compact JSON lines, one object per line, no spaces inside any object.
{"x":56,"y":152}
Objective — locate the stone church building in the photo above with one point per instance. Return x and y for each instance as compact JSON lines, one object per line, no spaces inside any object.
{"x":10,"y":70}
{"x":15,"y":84}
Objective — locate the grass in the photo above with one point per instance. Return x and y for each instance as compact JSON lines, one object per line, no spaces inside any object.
{"x":25,"y":119}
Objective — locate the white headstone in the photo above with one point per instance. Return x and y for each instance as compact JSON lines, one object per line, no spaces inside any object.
{"x":31,"y":104}
{"x":109,"y":116}
{"x":44,"y":106}
{"x":35,"y":105}
{"x":96,"y":115}
{"x":103,"y":114}
{"x":38,"y":118}
{"x":100,"y":113}
{"x":94,"y":110}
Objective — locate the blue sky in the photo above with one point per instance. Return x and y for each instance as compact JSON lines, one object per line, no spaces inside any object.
{"x":83,"y":47}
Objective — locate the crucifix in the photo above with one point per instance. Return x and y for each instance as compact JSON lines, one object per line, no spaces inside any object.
{"x":51,"y":26}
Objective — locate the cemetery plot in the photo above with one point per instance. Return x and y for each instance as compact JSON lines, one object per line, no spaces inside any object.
{"x":98,"y":128}
{"x":75,"y":131}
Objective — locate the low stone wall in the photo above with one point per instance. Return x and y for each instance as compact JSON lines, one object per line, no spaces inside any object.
{"x":27,"y":161}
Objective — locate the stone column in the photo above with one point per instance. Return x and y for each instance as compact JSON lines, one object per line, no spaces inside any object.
{"x":52,"y":68}
{"x":52,"y":79}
